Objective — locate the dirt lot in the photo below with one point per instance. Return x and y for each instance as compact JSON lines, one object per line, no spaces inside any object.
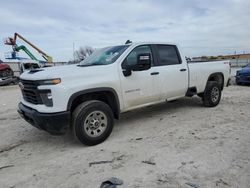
{"x":186,"y":144}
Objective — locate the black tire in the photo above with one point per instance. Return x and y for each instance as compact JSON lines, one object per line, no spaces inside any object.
{"x":9,"y":72}
{"x":237,"y":82}
{"x":212,"y":94}
{"x":201,"y":95}
{"x":84,"y":125}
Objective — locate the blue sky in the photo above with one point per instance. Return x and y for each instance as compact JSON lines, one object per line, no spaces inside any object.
{"x":200,"y":27}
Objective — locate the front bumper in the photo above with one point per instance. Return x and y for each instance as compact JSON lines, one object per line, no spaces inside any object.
{"x":54,"y":123}
{"x":243,"y":78}
{"x":7,"y":80}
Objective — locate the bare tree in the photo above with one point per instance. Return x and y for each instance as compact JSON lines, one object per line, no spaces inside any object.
{"x":83,"y":53}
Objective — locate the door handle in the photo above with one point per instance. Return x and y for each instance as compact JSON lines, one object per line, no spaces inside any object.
{"x":182,"y":70}
{"x":154,"y":73}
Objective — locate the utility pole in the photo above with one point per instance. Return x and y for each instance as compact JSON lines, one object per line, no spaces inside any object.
{"x":74,"y":51}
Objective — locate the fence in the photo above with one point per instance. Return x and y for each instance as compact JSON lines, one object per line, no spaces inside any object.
{"x":239,"y":62}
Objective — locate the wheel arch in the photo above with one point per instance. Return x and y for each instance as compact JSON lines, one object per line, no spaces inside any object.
{"x":218,"y":77}
{"x":104,"y":94}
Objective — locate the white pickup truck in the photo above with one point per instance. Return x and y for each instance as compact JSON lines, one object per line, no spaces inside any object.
{"x":88,"y":96}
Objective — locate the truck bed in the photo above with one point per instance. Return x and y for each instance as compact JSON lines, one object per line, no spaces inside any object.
{"x":200,"y":71}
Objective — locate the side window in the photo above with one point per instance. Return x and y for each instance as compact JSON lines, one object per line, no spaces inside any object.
{"x":132,"y":57}
{"x":168,"y":55}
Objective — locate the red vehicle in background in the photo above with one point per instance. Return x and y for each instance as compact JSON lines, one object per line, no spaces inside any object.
{"x":6,"y":74}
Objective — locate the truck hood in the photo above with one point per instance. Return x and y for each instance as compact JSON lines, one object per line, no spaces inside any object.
{"x":4,"y":66}
{"x":63,"y":72}
{"x":245,"y":70}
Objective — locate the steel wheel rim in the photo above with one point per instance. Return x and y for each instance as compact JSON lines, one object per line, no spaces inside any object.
{"x":215,"y":94}
{"x":95,"y":123}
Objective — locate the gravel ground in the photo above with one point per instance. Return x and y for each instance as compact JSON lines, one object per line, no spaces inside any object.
{"x":177,"y":144}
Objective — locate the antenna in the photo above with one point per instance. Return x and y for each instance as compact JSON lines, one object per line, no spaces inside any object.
{"x":128,"y":42}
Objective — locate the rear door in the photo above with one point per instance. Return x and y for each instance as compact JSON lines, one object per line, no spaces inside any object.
{"x":173,"y":72}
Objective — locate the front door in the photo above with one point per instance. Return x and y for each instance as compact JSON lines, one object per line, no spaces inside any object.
{"x":140,"y":87}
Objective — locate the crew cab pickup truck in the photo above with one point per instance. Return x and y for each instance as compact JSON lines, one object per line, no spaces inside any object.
{"x":88,"y":96}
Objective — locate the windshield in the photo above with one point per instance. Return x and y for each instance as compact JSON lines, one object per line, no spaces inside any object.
{"x":31,"y":66}
{"x":104,"y":56}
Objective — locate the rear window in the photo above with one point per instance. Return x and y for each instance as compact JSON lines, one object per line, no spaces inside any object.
{"x":168,"y":55}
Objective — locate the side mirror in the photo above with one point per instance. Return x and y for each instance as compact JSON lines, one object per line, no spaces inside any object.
{"x":143,"y":62}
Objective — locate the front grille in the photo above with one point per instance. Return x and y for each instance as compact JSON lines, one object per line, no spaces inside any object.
{"x":5,"y":73}
{"x":30,"y":92}
{"x":246,"y":78}
{"x":244,"y":74}
{"x":29,"y":84}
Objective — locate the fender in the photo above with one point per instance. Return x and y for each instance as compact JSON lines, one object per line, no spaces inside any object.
{"x":93,"y":90}
{"x":214,"y":75}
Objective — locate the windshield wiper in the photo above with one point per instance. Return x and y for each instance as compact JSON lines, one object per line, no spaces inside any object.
{"x":87,"y":65}
{"x":79,"y":65}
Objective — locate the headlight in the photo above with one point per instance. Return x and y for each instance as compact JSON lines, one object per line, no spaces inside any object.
{"x":46,"y":97}
{"x":50,"y":81}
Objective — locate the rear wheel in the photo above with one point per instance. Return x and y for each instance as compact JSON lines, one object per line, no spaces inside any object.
{"x":92,"y":122}
{"x":212,"y":94}
{"x":201,"y":95}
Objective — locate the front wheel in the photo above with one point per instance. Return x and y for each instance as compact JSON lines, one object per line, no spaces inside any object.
{"x":212,"y":94}
{"x":92,"y":122}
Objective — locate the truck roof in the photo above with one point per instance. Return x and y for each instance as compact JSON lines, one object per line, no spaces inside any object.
{"x":142,"y":43}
